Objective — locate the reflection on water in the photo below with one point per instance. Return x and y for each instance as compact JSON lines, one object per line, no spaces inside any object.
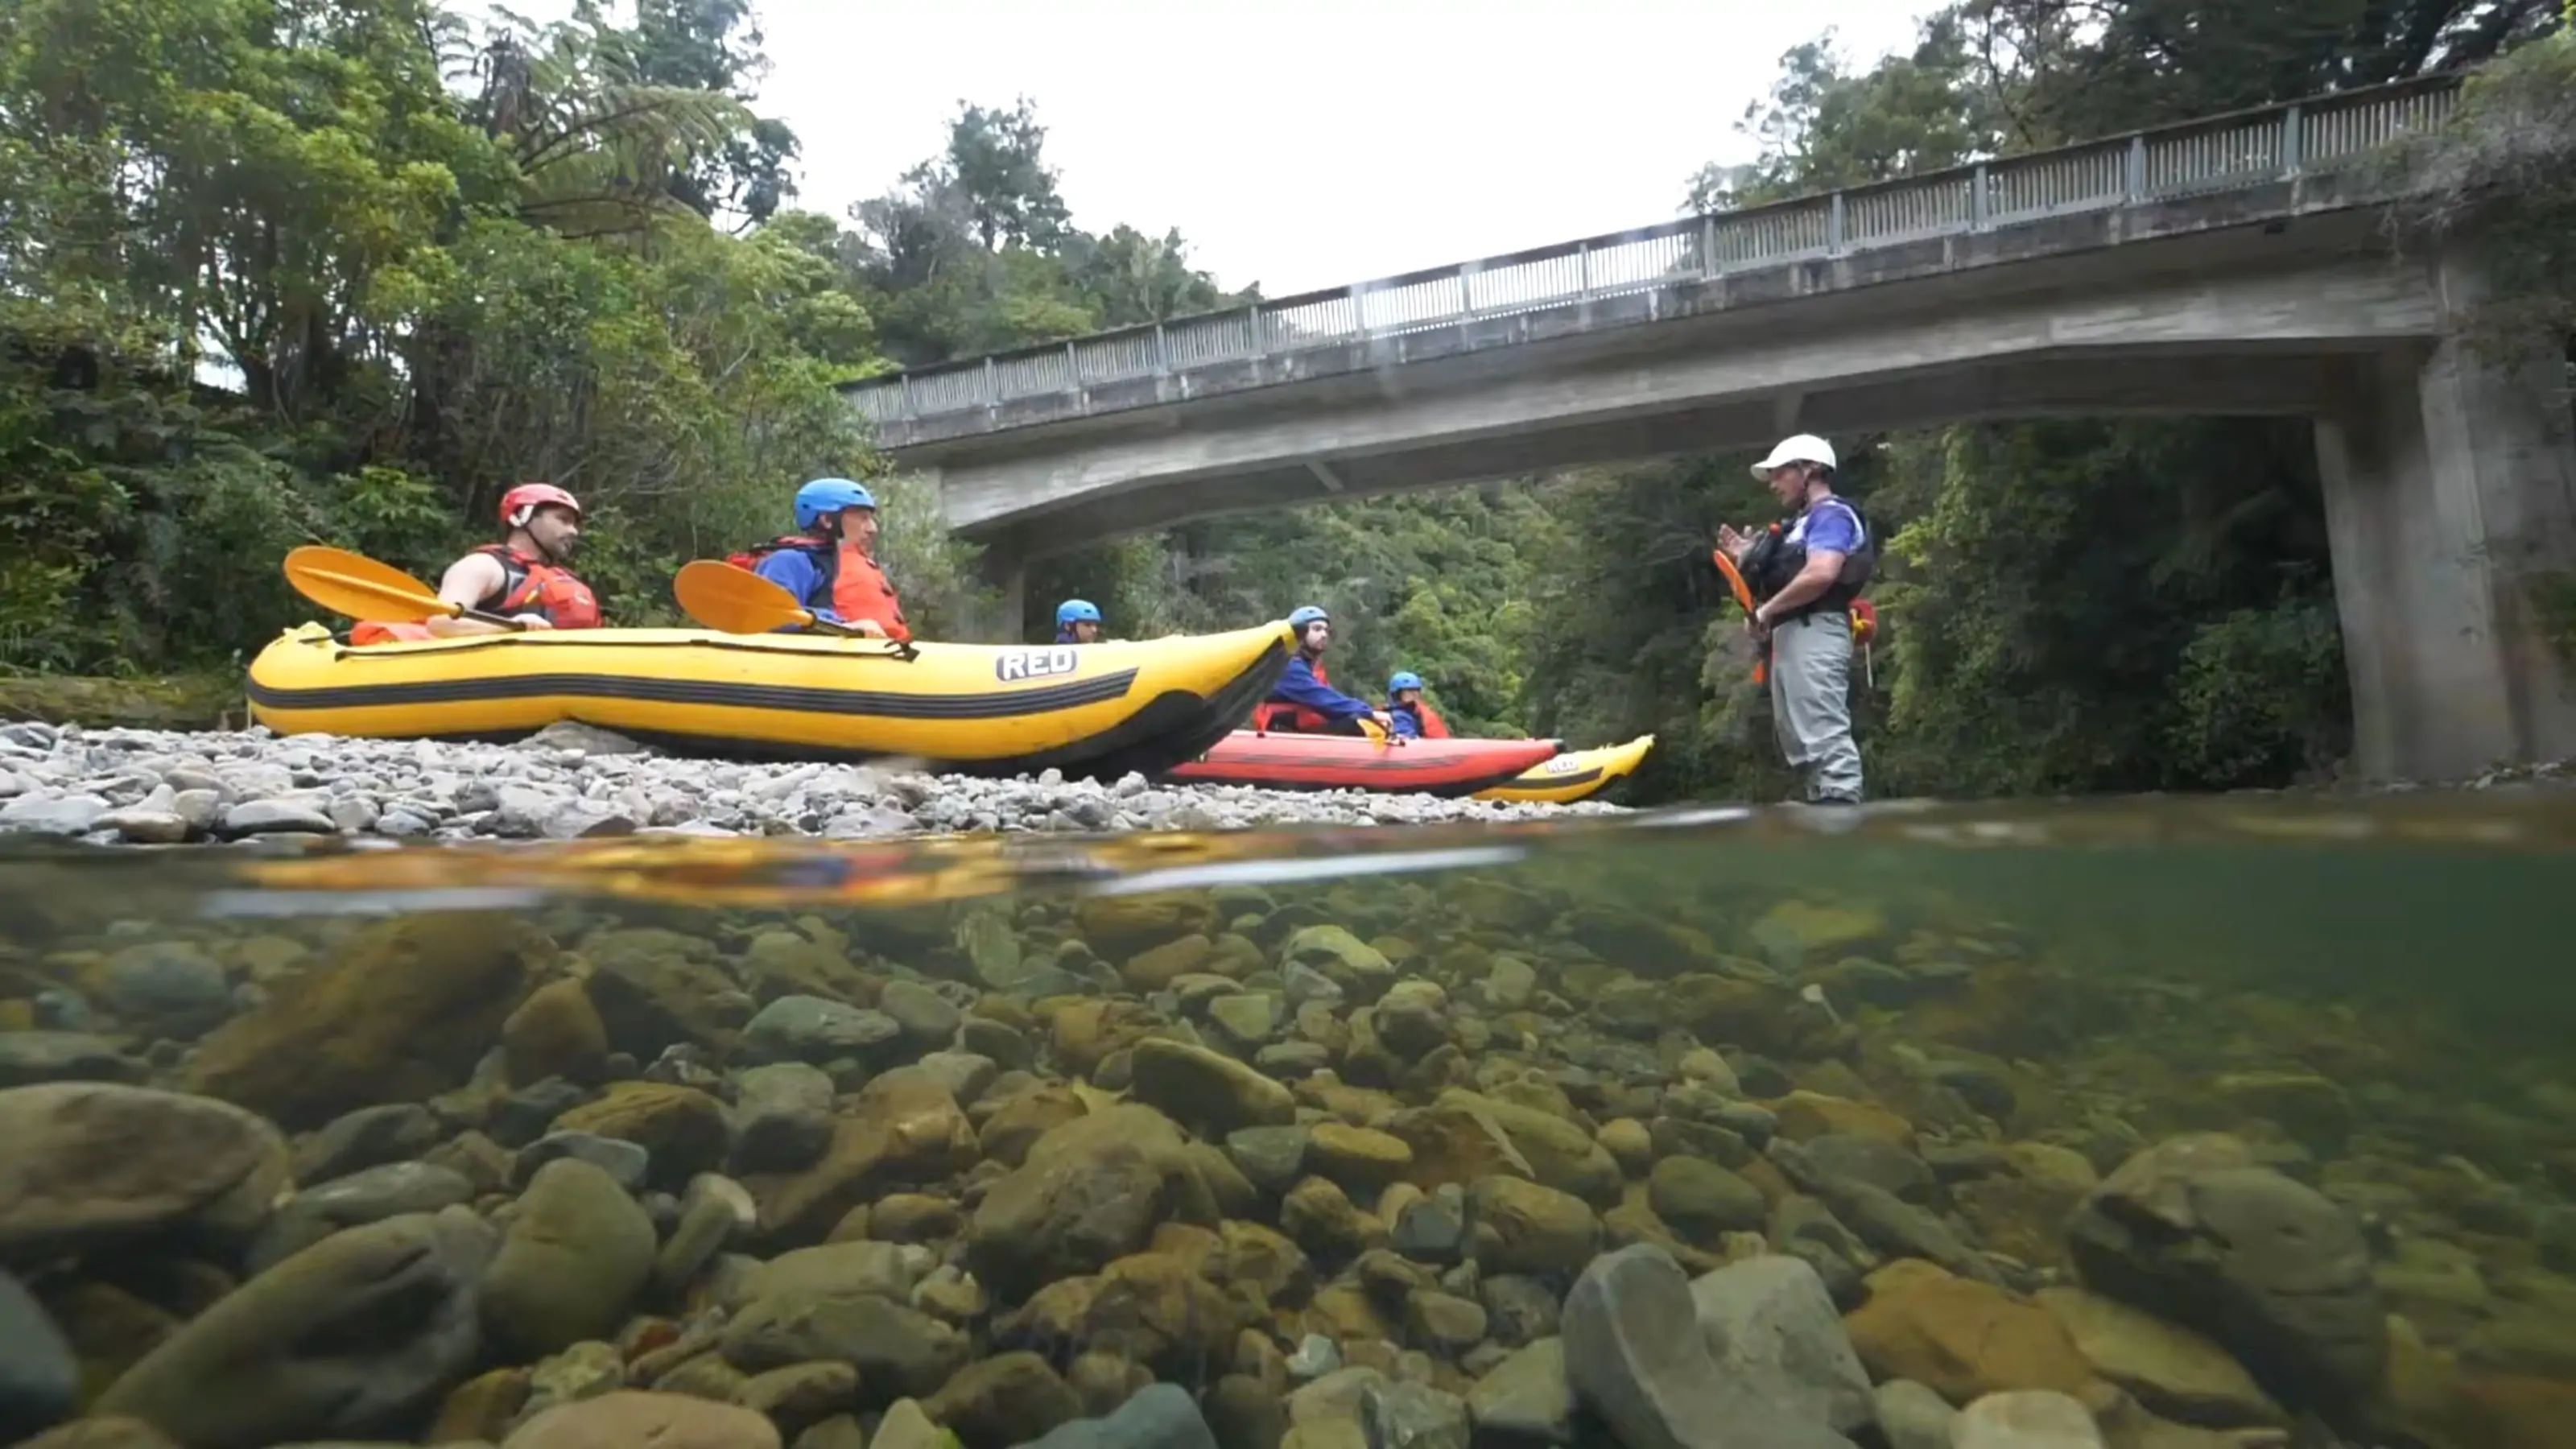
{"x":2215,"y":1116}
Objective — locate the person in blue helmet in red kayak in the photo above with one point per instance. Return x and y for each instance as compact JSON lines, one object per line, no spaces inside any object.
{"x":1413,"y":716}
{"x":1304,"y":700}
{"x":830,"y":564}
{"x":1077,"y":621}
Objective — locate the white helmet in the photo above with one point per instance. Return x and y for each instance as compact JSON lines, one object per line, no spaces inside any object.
{"x":1804,"y":448}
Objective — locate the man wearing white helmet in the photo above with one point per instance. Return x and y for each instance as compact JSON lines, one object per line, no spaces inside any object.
{"x":1805,"y":572}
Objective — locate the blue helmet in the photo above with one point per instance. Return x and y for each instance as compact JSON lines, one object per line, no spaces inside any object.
{"x":1403,"y":679}
{"x":829,"y":495}
{"x":1076,"y":611}
{"x":1306,"y":614}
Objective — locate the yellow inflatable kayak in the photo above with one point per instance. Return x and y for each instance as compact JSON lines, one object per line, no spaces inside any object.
{"x":1092,"y":709}
{"x":1571,"y":776}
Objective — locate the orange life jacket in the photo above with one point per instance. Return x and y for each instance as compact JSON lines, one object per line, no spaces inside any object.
{"x":1276,"y":715}
{"x":859,"y":586}
{"x":1433,"y":726}
{"x":529,"y":585}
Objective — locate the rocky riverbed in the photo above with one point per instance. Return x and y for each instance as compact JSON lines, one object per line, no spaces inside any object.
{"x":571,"y":782}
{"x":1468,"y":1161}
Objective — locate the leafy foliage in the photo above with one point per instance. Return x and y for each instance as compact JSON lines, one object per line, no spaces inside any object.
{"x":2505,"y":164}
{"x":274,"y":271}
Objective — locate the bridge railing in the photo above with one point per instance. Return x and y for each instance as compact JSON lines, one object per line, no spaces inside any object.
{"x":2213,"y":154}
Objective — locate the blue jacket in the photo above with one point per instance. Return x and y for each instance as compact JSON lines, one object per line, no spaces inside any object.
{"x":1301,"y":688}
{"x":800,"y":572}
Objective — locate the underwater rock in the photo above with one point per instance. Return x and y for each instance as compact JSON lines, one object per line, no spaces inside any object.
{"x":1960,"y":1337}
{"x":1091,"y":1190}
{"x":400,"y":1013}
{"x":782,"y":1117}
{"x":2028,"y":1419}
{"x":626,"y":1418}
{"x":683,"y":1129}
{"x":349,"y":1339}
{"x":1533,"y":1228}
{"x":39,"y":1378}
{"x":571,"y":1264}
{"x":2174,"y":1372}
{"x":1772,"y":1329}
{"x":2195,"y":1231}
{"x":1195,"y":1085}
{"x":1010,"y":1398}
{"x":1703,"y":1200}
{"x":91,"y":1162}
{"x":368,"y":1196}
{"x":556,"y":1032}
{"x":1160,"y":1416}
{"x":1635,"y":1355}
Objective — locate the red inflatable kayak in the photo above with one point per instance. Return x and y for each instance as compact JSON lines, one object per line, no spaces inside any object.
{"x":1346,"y":762}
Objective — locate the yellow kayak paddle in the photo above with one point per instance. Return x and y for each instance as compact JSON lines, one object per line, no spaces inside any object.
{"x":737,"y":601}
{"x":358,"y":586}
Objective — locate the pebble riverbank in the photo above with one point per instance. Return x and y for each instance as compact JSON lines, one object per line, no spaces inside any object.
{"x":1389,"y":1164}
{"x":572,"y":782}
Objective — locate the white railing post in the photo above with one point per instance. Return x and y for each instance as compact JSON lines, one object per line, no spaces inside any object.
{"x":992,"y":383}
{"x":1162,"y":352}
{"x":2290,"y":141}
{"x":1981,"y":206}
{"x":1252,"y":320}
{"x":2135,"y":182}
{"x":1834,"y":227}
{"x":1072,"y":366}
{"x":1583,"y":269}
{"x":1708,"y":246}
{"x":911,"y":411}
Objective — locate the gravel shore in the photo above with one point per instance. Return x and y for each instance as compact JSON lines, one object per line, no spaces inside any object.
{"x":159,"y":788}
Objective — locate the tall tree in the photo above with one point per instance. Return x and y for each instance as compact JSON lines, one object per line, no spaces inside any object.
{"x":996,"y":160}
{"x":715,"y":46}
{"x":1824,"y":127}
{"x":2081,"y":68}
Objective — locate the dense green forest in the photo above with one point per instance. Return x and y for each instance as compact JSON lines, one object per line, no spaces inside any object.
{"x":274,"y":271}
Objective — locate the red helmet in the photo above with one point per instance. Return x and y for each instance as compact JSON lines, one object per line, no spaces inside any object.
{"x":521,"y":503}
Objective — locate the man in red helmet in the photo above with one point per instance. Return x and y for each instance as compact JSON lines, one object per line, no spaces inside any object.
{"x":523,"y":576}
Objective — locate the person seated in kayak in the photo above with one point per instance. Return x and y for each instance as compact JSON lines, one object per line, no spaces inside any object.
{"x":1077,"y":621}
{"x":1412,"y":716}
{"x":830,"y":565}
{"x":523,"y":577}
{"x":1304,"y":700}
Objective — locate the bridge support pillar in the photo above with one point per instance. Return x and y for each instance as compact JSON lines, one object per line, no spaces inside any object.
{"x":2450,"y":493}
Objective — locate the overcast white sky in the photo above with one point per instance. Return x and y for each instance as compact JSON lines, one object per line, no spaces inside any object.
{"x":1306,"y":145}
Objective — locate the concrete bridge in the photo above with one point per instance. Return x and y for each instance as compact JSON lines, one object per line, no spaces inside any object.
{"x":2235,"y":265}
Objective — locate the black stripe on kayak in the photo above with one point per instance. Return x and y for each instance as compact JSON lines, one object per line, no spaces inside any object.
{"x":1555,"y":782}
{"x":794,"y":699}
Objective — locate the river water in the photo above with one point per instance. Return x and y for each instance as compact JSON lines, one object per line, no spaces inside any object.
{"x":2218,"y":1117}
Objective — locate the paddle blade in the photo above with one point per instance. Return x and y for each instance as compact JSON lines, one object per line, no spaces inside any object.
{"x":1734,"y":578}
{"x":360,"y":587}
{"x":735,"y":601}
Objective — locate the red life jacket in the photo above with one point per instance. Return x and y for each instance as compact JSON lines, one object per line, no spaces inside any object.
{"x":1433,"y":726}
{"x":858,"y":586}
{"x":529,"y":585}
{"x":1278,"y":715}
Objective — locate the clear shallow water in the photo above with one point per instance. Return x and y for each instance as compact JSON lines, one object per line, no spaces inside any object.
{"x":2375,"y":998}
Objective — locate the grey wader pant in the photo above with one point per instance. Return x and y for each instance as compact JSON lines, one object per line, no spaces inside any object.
{"x":1811,"y":661}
